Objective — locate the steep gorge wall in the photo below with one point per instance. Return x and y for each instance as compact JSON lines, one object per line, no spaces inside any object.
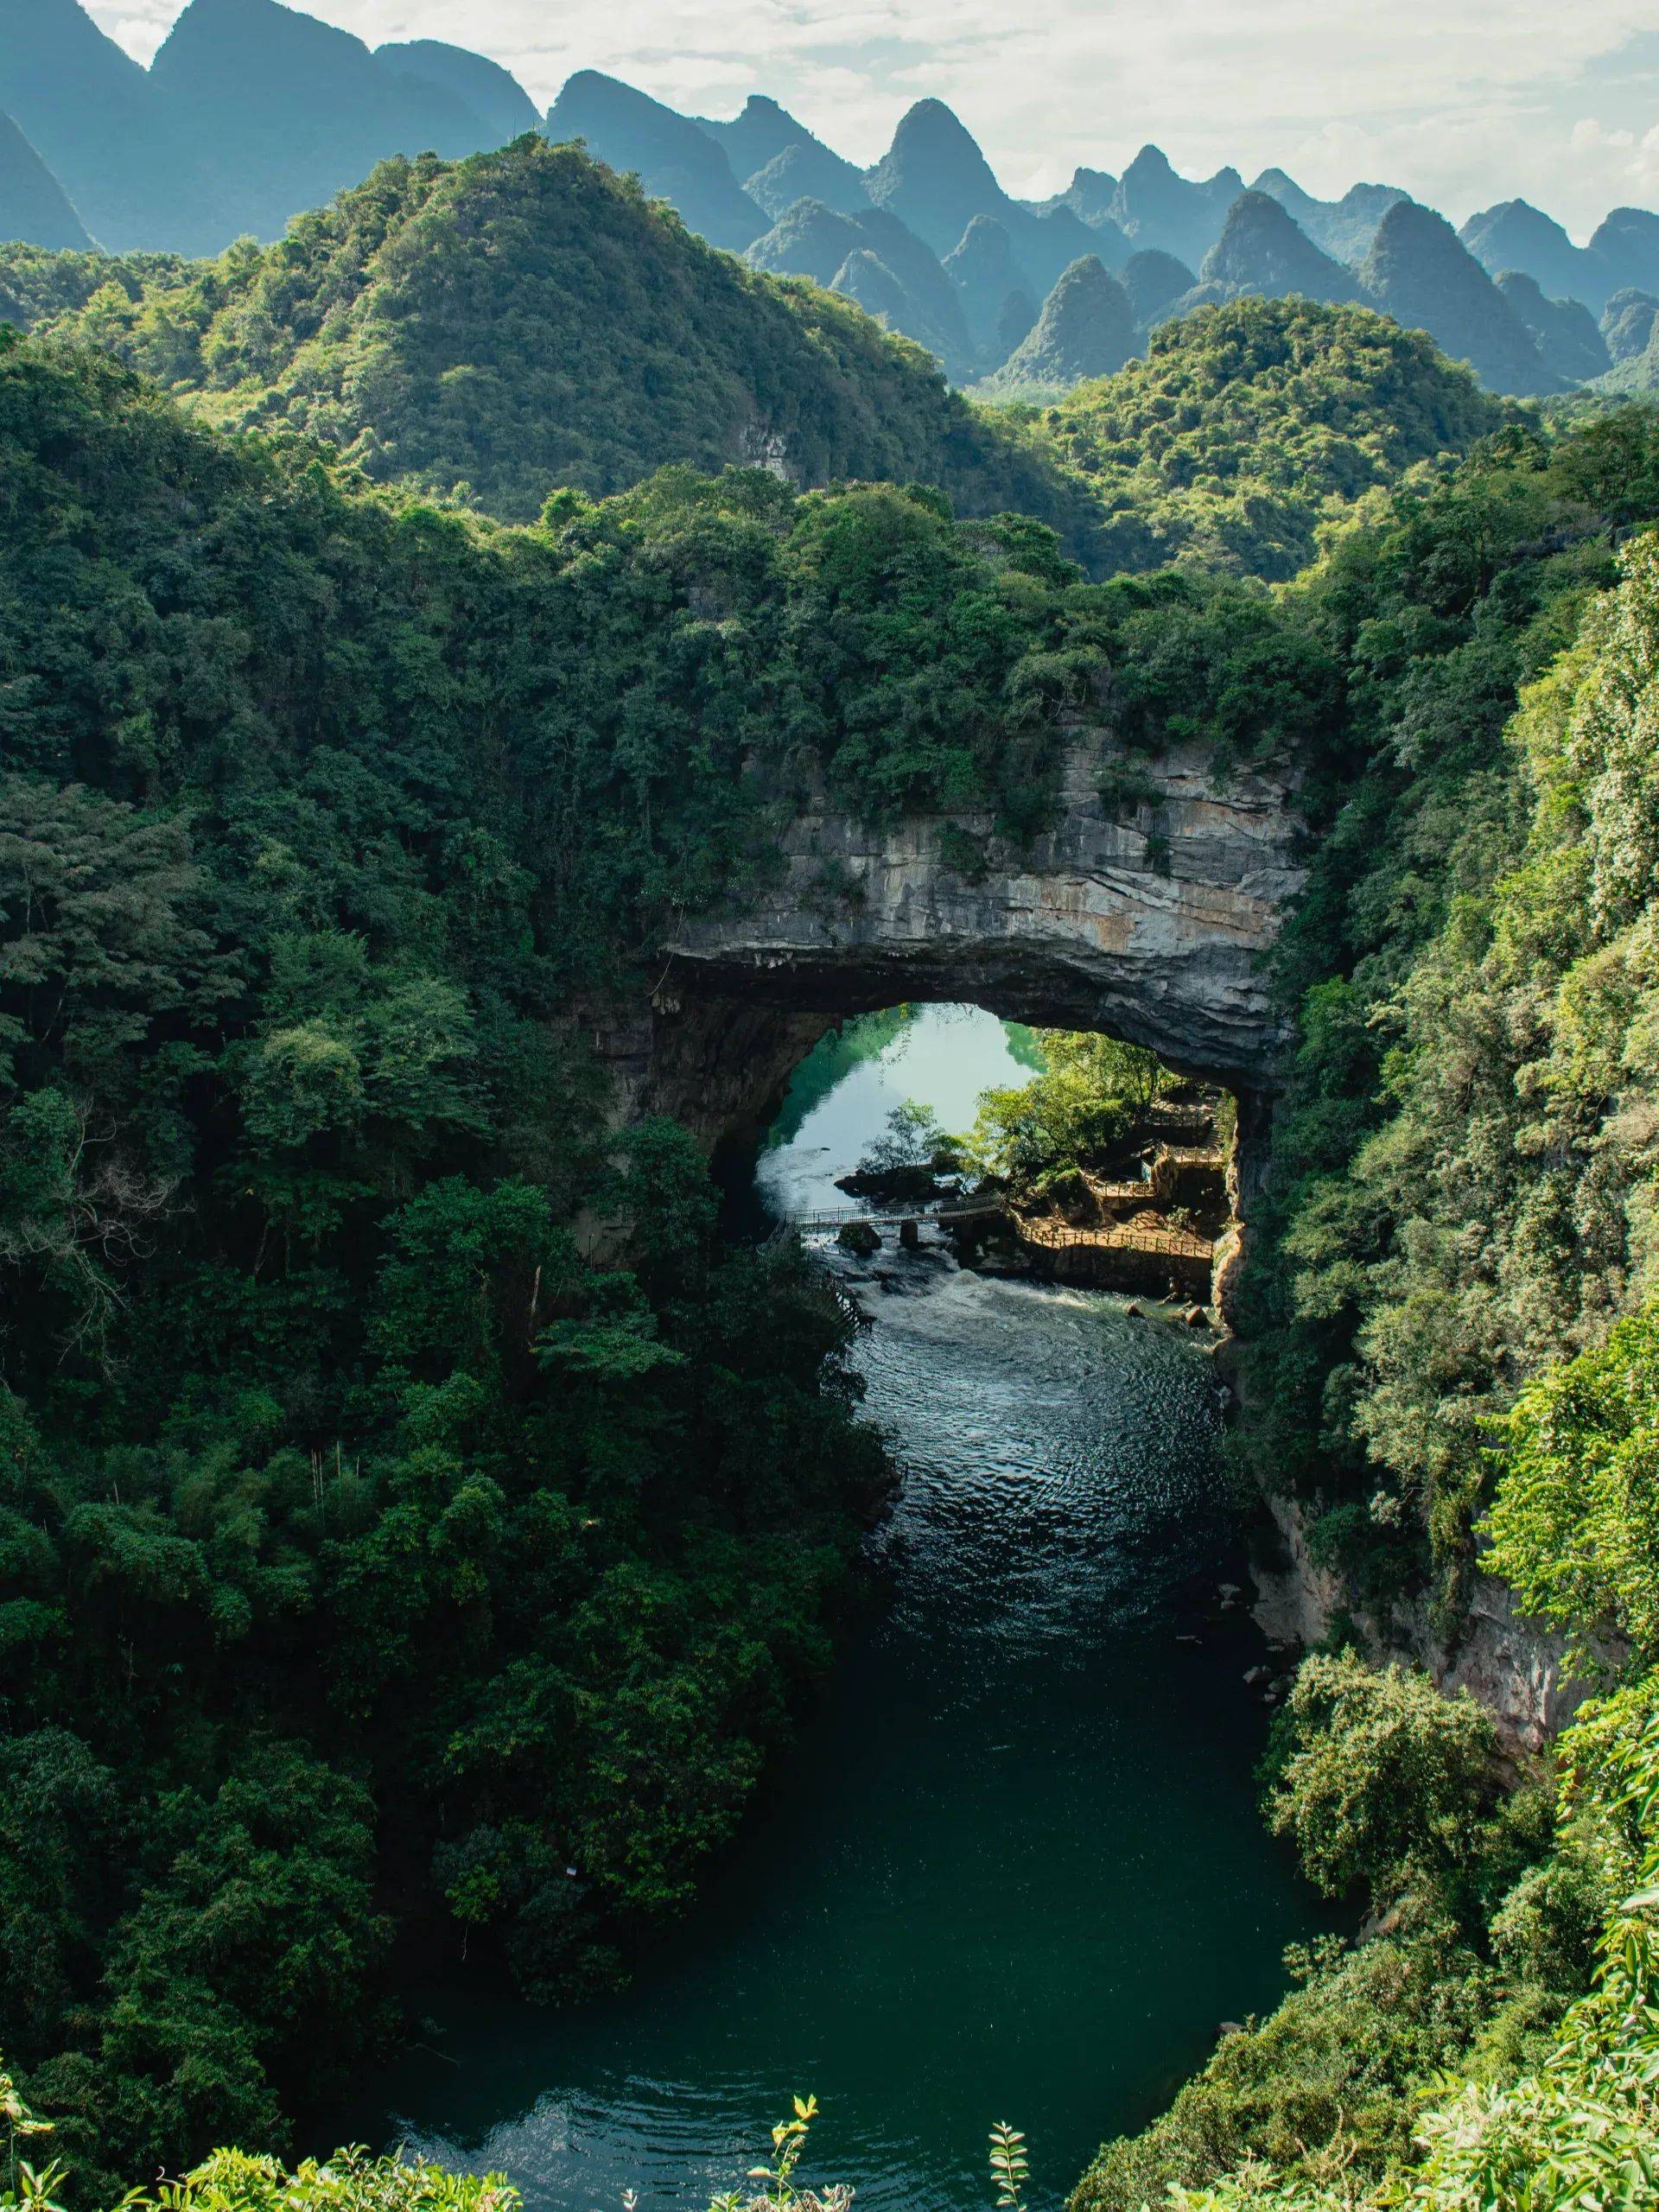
{"x":1517,"y":1668}
{"x":1152,"y":927}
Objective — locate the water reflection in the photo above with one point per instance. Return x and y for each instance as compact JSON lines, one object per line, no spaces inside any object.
{"x":941,"y":1057}
{"x":1014,"y":1865}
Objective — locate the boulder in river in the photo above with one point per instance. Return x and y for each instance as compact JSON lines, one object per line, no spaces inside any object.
{"x":858,"y":1236}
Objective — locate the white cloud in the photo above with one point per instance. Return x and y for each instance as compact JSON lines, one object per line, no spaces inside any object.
{"x":1437,"y":95}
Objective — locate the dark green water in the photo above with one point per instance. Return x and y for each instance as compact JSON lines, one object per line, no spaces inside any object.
{"x":1013,"y":1868}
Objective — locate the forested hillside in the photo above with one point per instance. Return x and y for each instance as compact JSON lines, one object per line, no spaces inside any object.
{"x":493,"y":328}
{"x":1249,"y":427}
{"x":1460,"y":1194}
{"x":324,"y":816}
{"x":1448,"y":1346}
{"x":254,"y":113}
{"x":324,"y":813}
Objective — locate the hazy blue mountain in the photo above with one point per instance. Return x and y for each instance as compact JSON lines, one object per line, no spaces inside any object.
{"x":809,"y":239}
{"x":1262,"y":250}
{"x":85,"y":108}
{"x":1419,"y":271}
{"x":936,"y":180}
{"x":1154,"y":281}
{"x":1154,"y":206}
{"x":1343,"y":228}
{"x":865,"y":278}
{"x":1086,"y":329}
{"x":917,"y":296}
{"x":1627,"y":244}
{"x":1048,"y":243}
{"x":676,"y":159}
{"x":255,"y":111}
{"x":282,"y":111}
{"x":1635,"y":377}
{"x":493,"y":94}
{"x":994,"y":290}
{"x":757,"y":136}
{"x":1565,"y":330}
{"x":1017,"y":320}
{"x":34,"y":205}
{"x":778,"y":160}
{"x":1627,"y":323}
{"x":1088,"y":195}
{"x":807,"y":170}
{"x":1516,"y":235}
{"x":917,"y":267}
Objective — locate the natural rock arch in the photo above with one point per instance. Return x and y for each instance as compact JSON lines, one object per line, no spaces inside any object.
{"x":1149,"y":924}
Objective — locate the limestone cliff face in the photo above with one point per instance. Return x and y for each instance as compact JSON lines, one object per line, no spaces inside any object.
{"x":1149,"y":921}
{"x":1516,"y":1668}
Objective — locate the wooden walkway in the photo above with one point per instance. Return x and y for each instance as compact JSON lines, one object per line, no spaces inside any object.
{"x":1046,"y":1236}
{"x":1169,"y":1243}
{"x":838,"y":1217}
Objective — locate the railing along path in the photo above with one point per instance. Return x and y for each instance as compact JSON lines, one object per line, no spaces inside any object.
{"x":1174,"y":1243}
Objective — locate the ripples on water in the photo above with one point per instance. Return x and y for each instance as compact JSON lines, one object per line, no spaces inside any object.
{"x":1035,"y":1427}
{"x":1013,"y":1868}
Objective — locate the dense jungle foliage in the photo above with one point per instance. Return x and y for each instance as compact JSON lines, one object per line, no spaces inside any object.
{"x":1250,"y":429}
{"x":337,"y":1327}
{"x":1493,"y":2042}
{"x":488,"y":329}
{"x":324,"y":816}
{"x":1450,"y":1358}
{"x":1083,"y":1100}
{"x":1462,"y":1163}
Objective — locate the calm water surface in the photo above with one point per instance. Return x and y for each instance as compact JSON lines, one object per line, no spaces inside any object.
{"x":1013,"y":1868}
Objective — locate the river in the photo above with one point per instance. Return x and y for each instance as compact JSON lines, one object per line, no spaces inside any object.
{"x":1013,"y":1868}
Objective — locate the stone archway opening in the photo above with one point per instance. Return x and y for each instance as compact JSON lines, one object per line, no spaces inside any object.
{"x":1152,"y":926}
{"x":1031,"y":1151}
{"x":1162,"y":1210}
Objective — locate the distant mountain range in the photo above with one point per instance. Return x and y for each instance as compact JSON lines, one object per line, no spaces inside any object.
{"x":253,"y":112}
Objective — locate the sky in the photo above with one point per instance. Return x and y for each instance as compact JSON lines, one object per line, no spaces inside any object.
{"x":1462,"y":102}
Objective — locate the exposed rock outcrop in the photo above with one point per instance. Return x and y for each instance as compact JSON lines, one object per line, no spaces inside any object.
{"x":1516,"y":1668}
{"x":1152,"y":929}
